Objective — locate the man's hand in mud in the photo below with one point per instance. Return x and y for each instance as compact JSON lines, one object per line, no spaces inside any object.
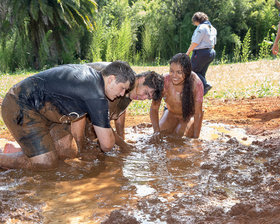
{"x":125,"y":147}
{"x":156,"y":138}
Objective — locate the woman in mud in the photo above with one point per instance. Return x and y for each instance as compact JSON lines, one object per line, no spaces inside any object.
{"x":183,"y":95}
{"x":46,"y":112}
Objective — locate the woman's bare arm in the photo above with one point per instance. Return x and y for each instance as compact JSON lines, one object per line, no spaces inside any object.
{"x":154,"y":109}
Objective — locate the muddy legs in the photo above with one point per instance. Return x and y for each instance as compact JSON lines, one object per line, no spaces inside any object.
{"x":69,"y":141}
{"x":19,"y":160}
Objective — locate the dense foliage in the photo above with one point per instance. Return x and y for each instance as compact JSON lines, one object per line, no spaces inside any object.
{"x":37,"y":34}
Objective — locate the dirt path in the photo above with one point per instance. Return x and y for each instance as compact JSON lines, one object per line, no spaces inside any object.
{"x":259,"y":116}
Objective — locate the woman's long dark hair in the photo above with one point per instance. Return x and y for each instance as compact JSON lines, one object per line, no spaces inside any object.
{"x":187,"y":94}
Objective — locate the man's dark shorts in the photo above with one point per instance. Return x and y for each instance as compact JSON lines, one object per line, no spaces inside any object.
{"x":31,"y":128}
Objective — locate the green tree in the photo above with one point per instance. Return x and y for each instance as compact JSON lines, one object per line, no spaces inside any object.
{"x":262,"y":15}
{"x":35,"y":20}
{"x":116,"y":36}
{"x":47,"y":32}
{"x":97,"y":43}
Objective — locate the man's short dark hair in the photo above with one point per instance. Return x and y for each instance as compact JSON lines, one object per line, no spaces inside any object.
{"x":154,"y":81}
{"x":122,"y":71}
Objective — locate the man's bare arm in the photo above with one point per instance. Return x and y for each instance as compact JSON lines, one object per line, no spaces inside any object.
{"x":119,"y":124}
{"x":121,"y":143}
{"x":154,"y":109}
{"x":106,"y":138}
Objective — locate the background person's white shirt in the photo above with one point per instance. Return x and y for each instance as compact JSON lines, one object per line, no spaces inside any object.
{"x":205,"y":35}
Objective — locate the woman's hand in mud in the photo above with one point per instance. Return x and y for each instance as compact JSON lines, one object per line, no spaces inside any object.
{"x":156,"y":137}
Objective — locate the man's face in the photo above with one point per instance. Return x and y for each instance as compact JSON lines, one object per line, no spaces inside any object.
{"x":176,"y":73}
{"x":114,"y":89}
{"x":141,"y":91}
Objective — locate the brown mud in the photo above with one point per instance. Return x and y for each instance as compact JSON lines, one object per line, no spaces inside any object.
{"x":230,"y":175}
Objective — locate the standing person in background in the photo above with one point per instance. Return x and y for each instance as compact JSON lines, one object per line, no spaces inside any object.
{"x":202,"y":45}
{"x":275,"y":47}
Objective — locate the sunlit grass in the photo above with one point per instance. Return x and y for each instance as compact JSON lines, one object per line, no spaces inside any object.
{"x":1,"y":121}
{"x":245,"y":80}
{"x":229,"y":81}
{"x":257,"y":89}
{"x":8,"y":80}
{"x":2,"y":125}
{"x":138,"y":107}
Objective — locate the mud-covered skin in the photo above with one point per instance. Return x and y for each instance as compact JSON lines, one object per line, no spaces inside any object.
{"x":118,"y":107}
{"x":173,"y":98}
{"x":172,"y":119}
{"x":32,"y":107}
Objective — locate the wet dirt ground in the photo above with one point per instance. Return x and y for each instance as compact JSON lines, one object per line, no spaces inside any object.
{"x":230,"y":175}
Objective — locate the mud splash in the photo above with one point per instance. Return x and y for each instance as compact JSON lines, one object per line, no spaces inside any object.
{"x":227,"y":177}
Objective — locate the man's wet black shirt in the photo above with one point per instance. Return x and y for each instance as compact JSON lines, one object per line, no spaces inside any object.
{"x":70,"y":88}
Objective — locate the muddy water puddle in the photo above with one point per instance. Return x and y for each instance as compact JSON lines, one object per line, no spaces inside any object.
{"x":226,"y":177}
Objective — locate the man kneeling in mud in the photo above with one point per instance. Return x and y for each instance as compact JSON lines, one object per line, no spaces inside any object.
{"x":148,"y":85}
{"x":46,"y":112}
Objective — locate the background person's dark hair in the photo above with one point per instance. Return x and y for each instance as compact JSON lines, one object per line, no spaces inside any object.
{"x":154,"y":81}
{"x":187,"y":95}
{"x":199,"y":17}
{"x":122,"y":71}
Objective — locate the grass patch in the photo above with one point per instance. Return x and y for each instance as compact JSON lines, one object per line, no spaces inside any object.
{"x":138,"y":107}
{"x":1,"y":121}
{"x":8,"y":80}
{"x":231,"y":81}
{"x":141,"y":107}
{"x":244,"y":80}
{"x":2,"y":125}
{"x":257,"y":89}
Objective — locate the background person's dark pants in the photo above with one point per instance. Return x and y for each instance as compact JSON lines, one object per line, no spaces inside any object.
{"x":200,"y":61}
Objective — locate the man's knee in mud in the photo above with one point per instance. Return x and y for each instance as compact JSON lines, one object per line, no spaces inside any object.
{"x":45,"y":161}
